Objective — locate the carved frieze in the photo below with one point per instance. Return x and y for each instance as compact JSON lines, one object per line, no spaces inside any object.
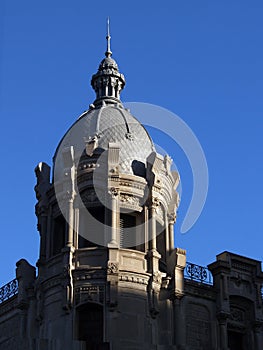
{"x":133,"y":278}
{"x":130,"y":202}
{"x":242,"y":284}
{"x":87,"y":293}
{"x":132,"y":183}
{"x":88,"y":166}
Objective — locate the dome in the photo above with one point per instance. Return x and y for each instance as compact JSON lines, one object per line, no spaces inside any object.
{"x":108,"y":62}
{"x":108,"y":123}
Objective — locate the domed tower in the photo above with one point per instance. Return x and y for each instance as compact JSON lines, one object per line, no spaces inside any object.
{"x":108,"y":271}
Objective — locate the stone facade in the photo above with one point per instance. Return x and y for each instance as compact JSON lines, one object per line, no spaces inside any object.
{"x":108,"y":275}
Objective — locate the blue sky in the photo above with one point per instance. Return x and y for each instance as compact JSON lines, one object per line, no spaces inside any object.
{"x":201,"y":60}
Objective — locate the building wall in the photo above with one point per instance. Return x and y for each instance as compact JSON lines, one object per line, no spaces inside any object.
{"x":9,"y":324}
{"x":126,"y":314}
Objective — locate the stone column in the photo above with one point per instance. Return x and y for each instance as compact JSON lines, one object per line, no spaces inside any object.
{"x":113,"y":181}
{"x":146,"y":228}
{"x":76,"y":227}
{"x":179,"y":325}
{"x":114,"y":217}
{"x":175,"y":266}
{"x":153,"y":255}
{"x":69,"y":188}
{"x":152,"y":228}
{"x":220,"y":270}
{"x":222,"y":321}
{"x":171,"y":221}
{"x":70,"y":220}
{"x":68,"y":212}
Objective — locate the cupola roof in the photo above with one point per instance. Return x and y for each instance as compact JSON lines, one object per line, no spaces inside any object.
{"x":108,"y":121}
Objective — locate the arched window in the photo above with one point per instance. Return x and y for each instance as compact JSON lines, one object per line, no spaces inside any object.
{"x":90,"y":325}
{"x":239,"y":324}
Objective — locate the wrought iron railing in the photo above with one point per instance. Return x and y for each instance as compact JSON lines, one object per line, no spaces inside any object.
{"x":8,"y":290}
{"x":198,"y":273}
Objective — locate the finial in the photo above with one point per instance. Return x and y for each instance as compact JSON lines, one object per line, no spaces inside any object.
{"x":108,"y":53}
{"x":108,"y":81}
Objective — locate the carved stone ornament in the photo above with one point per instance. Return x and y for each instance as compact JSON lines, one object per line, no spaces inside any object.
{"x":113,"y":191}
{"x":88,"y":167}
{"x":237,"y":315}
{"x":42,"y":172}
{"x":129,"y":136}
{"x":91,"y":145}
{"x":155,"y":202}
{"x":113,"y":267}
{"x":157,"y":277}
{"x":172,"y":217}
{"x":87,"y":293}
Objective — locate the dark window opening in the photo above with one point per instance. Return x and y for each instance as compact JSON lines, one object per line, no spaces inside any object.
{"x":130,"y":234}
{"x":235,"y":340}
{"x":127,"y":231}
{"x":91,"y":233}
{"x":90,"y":326}
{"x":138,"y":168}
{"x":59,"y":229}
{"x":161,"y":247}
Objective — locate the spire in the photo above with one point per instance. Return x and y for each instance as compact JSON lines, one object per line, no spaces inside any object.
{"x":108,"y":53}
{"x":108,"y":81}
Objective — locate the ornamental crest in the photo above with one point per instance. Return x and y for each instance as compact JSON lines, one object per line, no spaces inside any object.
{"x":91,"y":145}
